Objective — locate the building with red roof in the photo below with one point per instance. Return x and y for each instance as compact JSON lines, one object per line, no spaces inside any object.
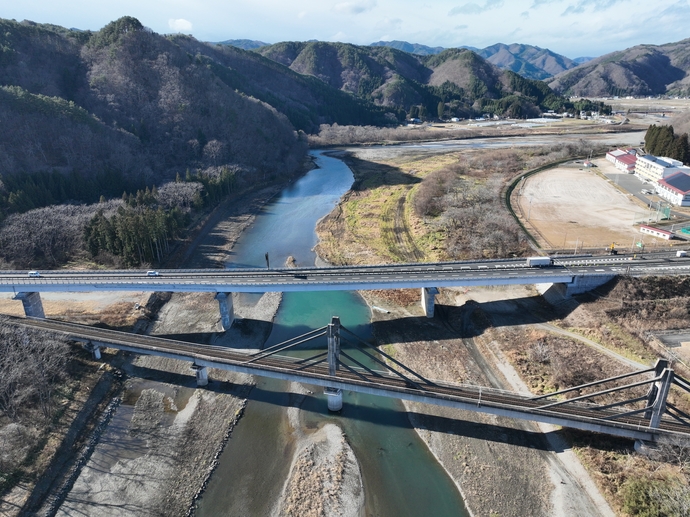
{"x":623,"y":159}
{"x":675,"y":189}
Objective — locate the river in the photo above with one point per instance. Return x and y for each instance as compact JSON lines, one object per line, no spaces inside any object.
{"x":400,"y":475}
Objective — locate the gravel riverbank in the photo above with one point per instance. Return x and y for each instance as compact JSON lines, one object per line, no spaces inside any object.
{"x":495,"y":462}
{"x":163,"y":441}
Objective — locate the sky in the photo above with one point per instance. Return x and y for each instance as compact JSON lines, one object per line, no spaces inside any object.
{"x":573,"y":28}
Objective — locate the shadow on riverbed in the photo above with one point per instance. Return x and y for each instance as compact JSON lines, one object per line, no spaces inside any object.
{"x":316,"y":403}
{"x":448,"y":322}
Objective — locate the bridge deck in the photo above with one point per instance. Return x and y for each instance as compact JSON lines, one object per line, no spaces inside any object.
{"x":577,"y":415}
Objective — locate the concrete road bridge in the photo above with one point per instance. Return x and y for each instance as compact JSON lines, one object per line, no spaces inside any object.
{"x":634,"y":405}
{"x":569,"y":274}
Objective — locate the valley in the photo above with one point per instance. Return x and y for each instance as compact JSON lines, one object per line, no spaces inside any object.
{"x":125,"y":148}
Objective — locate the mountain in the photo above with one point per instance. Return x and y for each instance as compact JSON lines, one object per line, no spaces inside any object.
{"x":128,"y":101}
{"x":581,"y":60}
{"x":527,"y":60}
{"x":136,"y":107}
{"x":639,"y":70}
{"x":412,"y":48}
{"x":459,"y":80}
{"x":244,"y":44}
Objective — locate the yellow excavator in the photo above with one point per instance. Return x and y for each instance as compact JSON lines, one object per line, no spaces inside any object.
{"x":612,"y":249}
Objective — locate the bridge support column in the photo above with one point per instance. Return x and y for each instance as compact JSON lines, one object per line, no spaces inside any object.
{"x":201,"y":375}
{"x":33,"y":306}
{"x":335,"y":395}
{"x":335,"y":399}
{"x":227,"y":314}
{"x":429,"y":300}
{"x":658,"y":393}
{"x":96,"y":351}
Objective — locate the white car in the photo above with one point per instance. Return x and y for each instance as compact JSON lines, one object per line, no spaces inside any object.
{"x":34,"y":274}
{"x":153,"y":273}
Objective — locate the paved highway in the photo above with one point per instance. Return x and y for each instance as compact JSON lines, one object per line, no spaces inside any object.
{"x":445,"y":274}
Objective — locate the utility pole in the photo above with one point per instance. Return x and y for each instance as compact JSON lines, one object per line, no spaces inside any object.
{"x":267,"y":264}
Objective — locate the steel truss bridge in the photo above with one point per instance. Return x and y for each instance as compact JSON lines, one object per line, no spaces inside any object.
{"x":634,"y":405}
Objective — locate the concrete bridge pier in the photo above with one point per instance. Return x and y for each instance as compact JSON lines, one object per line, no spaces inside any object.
{"x":335,"y":395}
{"x":429,"y":300}
{"x":201,"y":375}
{"x":335,"y":399}
{"x":96,"y":351}
{"x":227,"y":314}
{"x":33,"y":306}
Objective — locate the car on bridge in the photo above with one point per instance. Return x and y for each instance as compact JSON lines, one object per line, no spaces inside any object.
{"x":153,"y":273}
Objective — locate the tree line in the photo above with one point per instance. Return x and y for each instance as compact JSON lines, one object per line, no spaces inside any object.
{"x":137,"y":235}
{"x":662,"y":141}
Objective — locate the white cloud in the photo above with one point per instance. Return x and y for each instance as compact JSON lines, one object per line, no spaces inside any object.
{"x":473,"y":8}
{"x":302,"y":14}
{"x":389,"y":24}
{"x":598,"y":5}
{"x":180,"y":25}
{"x":339,"y":37}
{"x":355,"y":7}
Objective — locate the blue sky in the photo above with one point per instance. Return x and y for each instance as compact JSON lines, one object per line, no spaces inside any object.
{"x":573,"y":28}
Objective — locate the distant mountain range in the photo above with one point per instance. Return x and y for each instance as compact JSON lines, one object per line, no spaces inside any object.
{"x":458,"y":81}
{"x":527,"y":60}
{"x":412,"y":48}
{"x":639,"y":70}
{"x":244,"y":44}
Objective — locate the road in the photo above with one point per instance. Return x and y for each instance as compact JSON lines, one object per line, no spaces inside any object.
{"x":346,"y":278}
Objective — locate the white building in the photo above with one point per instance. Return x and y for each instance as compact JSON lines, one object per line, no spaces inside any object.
{"x":651,"y":168}
{"x":675,"y":189}
{"x":656,"y":232}
{"x":624,"y":160}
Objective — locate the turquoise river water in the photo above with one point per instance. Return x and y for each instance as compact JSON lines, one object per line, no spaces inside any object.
{"x":401,"y":477}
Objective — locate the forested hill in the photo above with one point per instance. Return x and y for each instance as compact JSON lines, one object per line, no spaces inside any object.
{"x":455,"y":82}
{"x":639,"y":70}
{"x":130,"y":103}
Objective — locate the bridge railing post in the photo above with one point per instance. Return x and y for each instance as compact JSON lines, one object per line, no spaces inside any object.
{"x":659,"y":367}
{"x":335,"y":395}
{"x":333,"y":345}
{"x":660,"y":393}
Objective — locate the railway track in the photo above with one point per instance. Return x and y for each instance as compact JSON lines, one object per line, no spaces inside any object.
{"x":315,"y":371}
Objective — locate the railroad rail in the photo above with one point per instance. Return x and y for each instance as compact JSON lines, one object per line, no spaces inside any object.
{"x":644,"y":415}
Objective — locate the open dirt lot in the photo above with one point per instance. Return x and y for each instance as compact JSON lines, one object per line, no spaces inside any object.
{"x":571,"y":205}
